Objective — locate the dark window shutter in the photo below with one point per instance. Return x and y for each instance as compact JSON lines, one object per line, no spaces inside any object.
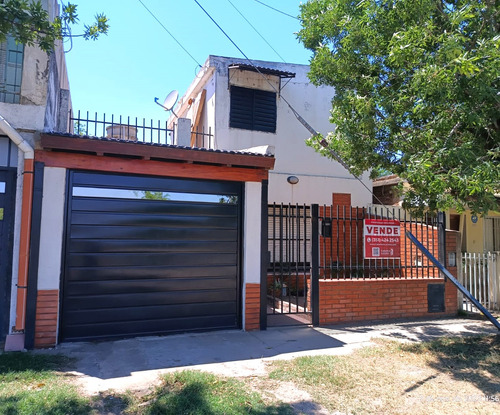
{"x":253,"y":109}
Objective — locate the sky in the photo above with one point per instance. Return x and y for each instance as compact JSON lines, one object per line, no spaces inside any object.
{"x":123,"y":72}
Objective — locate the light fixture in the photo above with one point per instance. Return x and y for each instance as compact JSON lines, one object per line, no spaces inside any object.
{"x":292,"y":179}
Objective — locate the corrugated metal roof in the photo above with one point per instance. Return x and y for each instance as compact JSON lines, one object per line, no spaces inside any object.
{"x":142,"y":143}
{"x":266,"y":71}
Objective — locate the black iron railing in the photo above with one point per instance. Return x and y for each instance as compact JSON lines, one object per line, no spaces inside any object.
{"x":124,"y":128}
{"x":202,"y":138}
{"x":342,"y":250}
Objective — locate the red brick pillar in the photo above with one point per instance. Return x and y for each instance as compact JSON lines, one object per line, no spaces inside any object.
{"x":252,"y":307}
{"x":47,"y":310}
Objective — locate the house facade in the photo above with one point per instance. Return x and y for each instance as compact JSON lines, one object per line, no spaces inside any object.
{"x":115,"y":236}
{"x":252,"y":106}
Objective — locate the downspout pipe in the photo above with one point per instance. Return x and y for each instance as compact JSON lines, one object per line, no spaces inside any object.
{"x":27,"y":202}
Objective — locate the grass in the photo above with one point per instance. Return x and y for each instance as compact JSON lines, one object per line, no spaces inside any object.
{"x":446,"y":376}
{"x":34,"y":385}
{"x":449,"y":375}
{"x":30,"y":384}
{"x":194,"y":393}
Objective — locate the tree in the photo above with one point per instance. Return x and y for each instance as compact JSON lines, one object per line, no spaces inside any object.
{"x":416,"y":93}
{"x":29,"y":23}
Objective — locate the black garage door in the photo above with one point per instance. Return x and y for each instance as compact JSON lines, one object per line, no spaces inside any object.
{"x":147,"y":255}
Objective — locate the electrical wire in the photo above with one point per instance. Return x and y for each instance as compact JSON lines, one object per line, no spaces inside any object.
{"x":256,"y":31}
{"x":171,"y":35}
{"x":322,"y":142}
{"x":276,"y":10}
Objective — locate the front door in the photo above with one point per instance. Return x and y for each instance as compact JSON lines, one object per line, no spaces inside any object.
{"x":7,"y":194}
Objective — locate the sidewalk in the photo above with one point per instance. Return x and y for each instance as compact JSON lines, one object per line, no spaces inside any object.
{"x":137,"y":363}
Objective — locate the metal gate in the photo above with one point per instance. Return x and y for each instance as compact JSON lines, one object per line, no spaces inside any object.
{"x":289,"y":270}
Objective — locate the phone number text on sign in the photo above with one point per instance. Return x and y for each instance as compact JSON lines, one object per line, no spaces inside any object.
{"x":381,"y":238}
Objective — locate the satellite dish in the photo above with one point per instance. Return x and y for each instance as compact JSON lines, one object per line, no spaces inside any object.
{"x":170,"y":100}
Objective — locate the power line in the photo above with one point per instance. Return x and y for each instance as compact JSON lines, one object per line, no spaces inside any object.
{"x":276,"y":10}
{"x":171,"y":35}
{"x":321,"y":142}
{"x":256,"y":31}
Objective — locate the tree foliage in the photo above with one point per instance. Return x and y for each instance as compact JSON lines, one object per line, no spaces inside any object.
{"x":417,"y":92}
{"x":29,"y":23}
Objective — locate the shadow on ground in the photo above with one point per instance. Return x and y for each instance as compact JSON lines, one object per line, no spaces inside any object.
{"x":120,"y":358}
{"x":113,"y":359}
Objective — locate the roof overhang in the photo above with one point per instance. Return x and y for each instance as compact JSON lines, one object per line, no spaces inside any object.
{"x":262,"y":70}
{"x":152,"y":151}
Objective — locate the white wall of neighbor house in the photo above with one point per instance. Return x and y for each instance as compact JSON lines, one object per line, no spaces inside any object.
{"x":251,"y":233}
{"x":319,"y":176}
{"x":315,"y":188}
{"x":52,"y":228}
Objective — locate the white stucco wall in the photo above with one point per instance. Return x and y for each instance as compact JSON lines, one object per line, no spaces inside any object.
{"x":319,"y":176}
{"x":315,"y":188}
{"x":251,"y":233}
{"x":23,"y":117}
{"x":52,"y":228}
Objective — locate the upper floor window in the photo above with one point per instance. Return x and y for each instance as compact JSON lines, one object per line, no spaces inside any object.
{"x":253,"y":109}
{"x":11,"y":70}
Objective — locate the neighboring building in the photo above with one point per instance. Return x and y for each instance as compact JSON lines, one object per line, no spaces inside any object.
{"x":478,"y":233}
{"x":243,"y":107}
{"x":34,"y":97}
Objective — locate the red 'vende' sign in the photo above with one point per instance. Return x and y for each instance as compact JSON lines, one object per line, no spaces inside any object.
{"x":381,"y":238}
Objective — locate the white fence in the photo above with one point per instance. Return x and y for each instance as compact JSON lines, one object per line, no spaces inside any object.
{"x":480,"y":274}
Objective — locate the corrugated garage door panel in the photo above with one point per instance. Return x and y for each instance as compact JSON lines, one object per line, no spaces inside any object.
{"x":139,"y":266}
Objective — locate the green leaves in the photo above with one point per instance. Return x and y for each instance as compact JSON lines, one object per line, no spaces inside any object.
{"x":417,"y":92}
{"x":29,"y":23}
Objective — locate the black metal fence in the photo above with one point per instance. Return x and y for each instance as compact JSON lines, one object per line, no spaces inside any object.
{"x":133,"y":129}
{"x":338,"y":237}
{"x":129,"y":128}
{"x":202,"y":138}
{"x":342,"y":244}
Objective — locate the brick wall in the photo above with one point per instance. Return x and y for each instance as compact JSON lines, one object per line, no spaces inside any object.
{"x":357,"y":300}
{"x":252,"y":307}
{"x":47,"y":309}
{"x":378,"y":299}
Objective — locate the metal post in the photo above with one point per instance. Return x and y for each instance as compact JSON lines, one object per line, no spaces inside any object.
{"x":315,"y":264}
{"x":441,"y":225}
{"x":264,"y":255}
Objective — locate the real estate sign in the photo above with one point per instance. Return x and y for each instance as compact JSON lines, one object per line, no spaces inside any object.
{"x":381,"y":238}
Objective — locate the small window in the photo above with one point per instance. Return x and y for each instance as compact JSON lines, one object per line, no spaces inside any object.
{"x":253,"y":109}
{"x":11,"y":70}
{"x":492,"y":234}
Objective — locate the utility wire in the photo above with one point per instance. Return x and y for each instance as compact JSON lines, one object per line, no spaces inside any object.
{"x":171,"y":35}
{"x":322,"y":142}
{"x":276,"y":10}
{"x":256,"y":31}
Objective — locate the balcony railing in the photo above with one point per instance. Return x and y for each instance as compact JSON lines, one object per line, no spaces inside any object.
{"x":118,"y":127}
{"x":135,"y":129}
